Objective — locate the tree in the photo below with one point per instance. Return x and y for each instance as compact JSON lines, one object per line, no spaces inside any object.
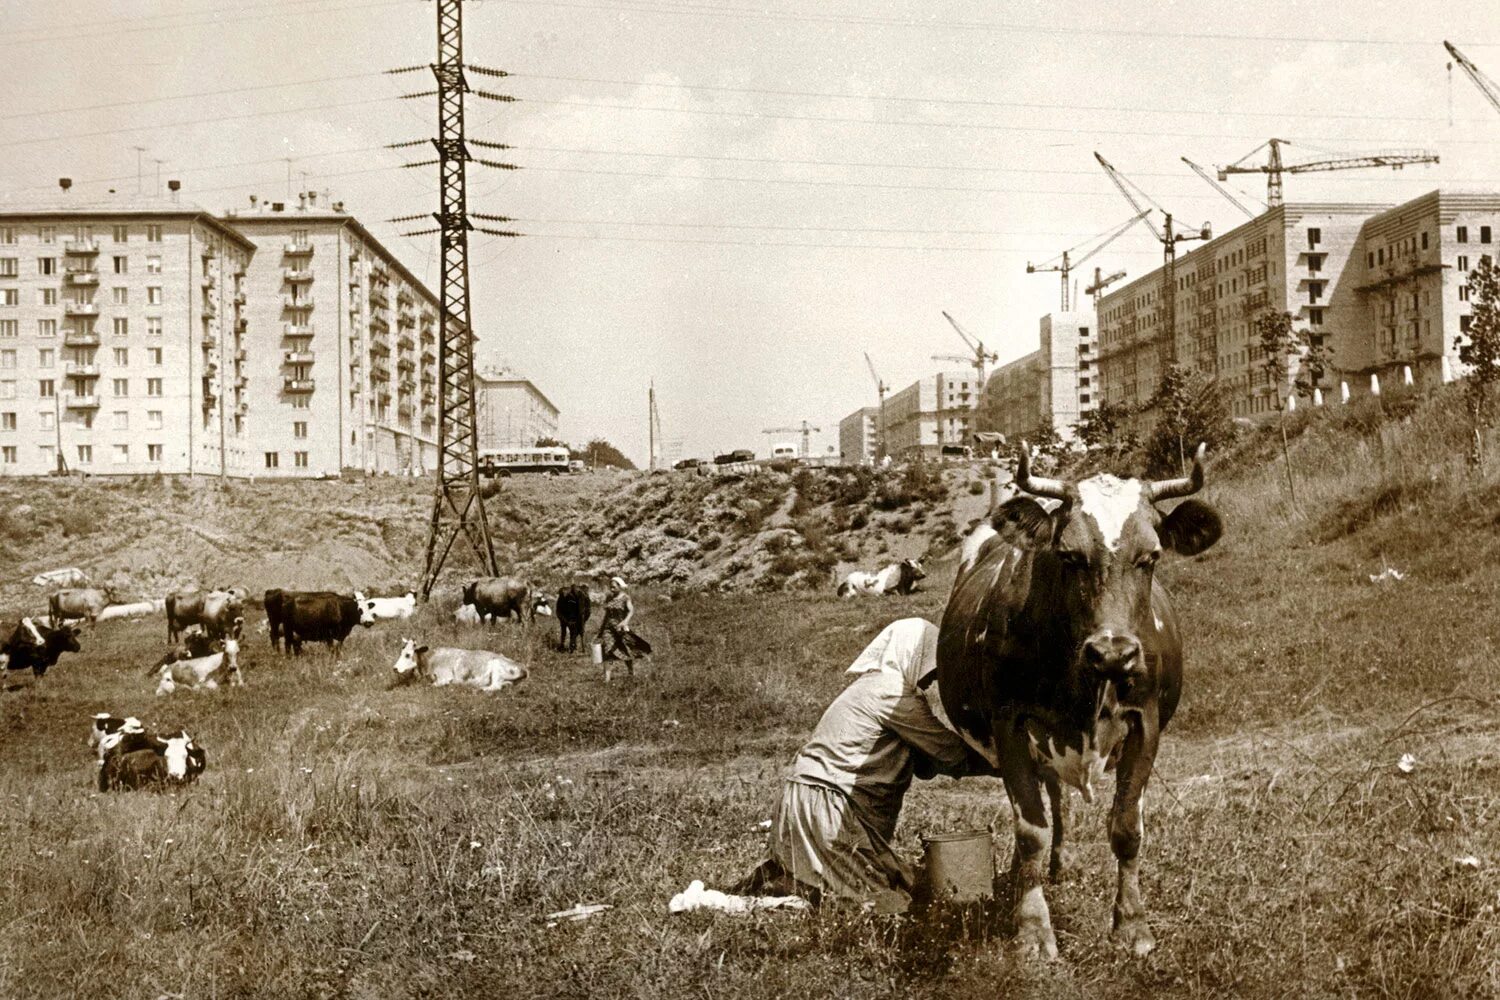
{"x":1103,"y":429}
{"x":1280,"y":342}
{"x":1479,"y":349}
{"x":1191,"y":408}
{"x":552,"y":442}
{"x":601,"y":453}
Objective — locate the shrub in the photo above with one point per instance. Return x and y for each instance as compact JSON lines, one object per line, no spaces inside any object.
{"x":976,"y":487}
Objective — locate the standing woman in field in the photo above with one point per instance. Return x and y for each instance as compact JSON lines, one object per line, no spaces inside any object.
{"x":615,"y":635}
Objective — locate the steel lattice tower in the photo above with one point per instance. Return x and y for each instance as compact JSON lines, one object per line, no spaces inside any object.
{"x":458,"y":507}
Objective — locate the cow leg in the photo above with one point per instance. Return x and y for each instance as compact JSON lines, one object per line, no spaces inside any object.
{"x":1130,"y":929}
{"x":1023,"y":784}
{"x":1060,"y":861}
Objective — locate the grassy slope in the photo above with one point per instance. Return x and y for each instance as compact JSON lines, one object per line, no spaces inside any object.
{"x":351,"y":841}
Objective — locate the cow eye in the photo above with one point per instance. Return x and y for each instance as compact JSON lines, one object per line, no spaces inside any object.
{"x":1149,"y":559}
{"x":1072,"y":558}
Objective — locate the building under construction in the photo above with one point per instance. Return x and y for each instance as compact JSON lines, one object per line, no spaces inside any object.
{"x":931,"y":414}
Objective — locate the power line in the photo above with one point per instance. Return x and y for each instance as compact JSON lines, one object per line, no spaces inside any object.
{"x":806,"y":246}
{"x":185,"y":97}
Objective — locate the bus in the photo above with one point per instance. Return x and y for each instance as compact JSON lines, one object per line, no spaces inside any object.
{"x":508,"y":461}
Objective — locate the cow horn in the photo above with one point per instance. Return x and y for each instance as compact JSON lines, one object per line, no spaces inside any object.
{"x":1037,"y":485}
{"x":1167,"y":489}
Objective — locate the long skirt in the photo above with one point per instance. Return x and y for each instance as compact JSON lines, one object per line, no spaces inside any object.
{"x":821,"y":838}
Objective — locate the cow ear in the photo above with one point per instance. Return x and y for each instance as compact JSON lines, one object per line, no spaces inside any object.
{"x":421,"y":649}
{"x":1023,"y":522}
{"x":1190,"y":528}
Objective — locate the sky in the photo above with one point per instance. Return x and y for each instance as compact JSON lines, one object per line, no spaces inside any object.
{"x":734,"y":200}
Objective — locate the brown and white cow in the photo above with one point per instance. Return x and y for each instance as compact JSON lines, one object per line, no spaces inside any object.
{"x":216,"y":610}
{"x":1059,"y":656}
{"x":447,"y":665}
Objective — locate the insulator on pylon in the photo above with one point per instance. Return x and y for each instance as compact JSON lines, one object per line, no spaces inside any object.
{"x":493,"y":97}
{"x":420,"y":93}
{"x":407,"y":145}
{"x":492,"y":218}
{"x":490,"y":145}
{"x":421,"y":232}
{"x":408,"y":218}
{"x":497,"y":232}
{"x":497,"y":166}
{"x":405,"y":69}
{"x":485,"y":70}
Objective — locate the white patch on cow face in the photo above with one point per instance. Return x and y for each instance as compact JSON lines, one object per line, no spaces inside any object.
{"x":407,"y":661}
{"x":176,"y":755}
{"x":366,"y":614}
{"x":1109,"y":502}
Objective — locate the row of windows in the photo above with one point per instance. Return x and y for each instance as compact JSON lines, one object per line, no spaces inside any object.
{"x":47,"y":328}
{"x":48,"y":297}
{"x":9,"y":235}
{"x":46,"y":357}
{"x":10,"y":267}
{"x":120,"y":454}
{"x":46,"y":420}
{"x":47,"y":388}
{"x":1461,"y":234}
{"x":273,"y":459}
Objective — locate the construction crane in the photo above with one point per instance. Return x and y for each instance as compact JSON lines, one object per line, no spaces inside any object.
{"x":1273,"y":168}
{"x":1169,"y":237}
{"x":880,"y":389}
{"x":1065,"y":264}
{"x":1100,"y":284}
{"x":807,"y":430}
{"x":978,"y":359}
{"x":1489,"y":88}
{"x":1219,"y":187}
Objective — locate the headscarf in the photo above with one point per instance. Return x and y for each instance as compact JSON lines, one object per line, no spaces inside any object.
{"x":619,"y":582}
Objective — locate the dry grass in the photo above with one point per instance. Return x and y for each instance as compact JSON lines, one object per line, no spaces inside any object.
{"x":350,"y":841}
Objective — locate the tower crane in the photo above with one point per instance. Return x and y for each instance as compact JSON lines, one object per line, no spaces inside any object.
{"x":1489,"y":88}
{"x":1067,"y":264}
{"x":978,"y":359}
{"x":807,"y":430}
{"x":1100,"y":284}
{"x":1273,"y":168}
{"x":880,"y":389}
{"x":1218,"y":187}
{"x":1169,"y":237}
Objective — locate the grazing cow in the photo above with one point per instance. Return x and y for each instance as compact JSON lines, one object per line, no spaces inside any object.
{"x":465,"y":614}
{"x":37,"y":646}
{"x":201,"y":671}
{"x":171,"y":759}
{"x":387,"y":608}
{"x":573,"y":609}
{"x":897,"y":578}
{"x":1059,"y":658}
{"x":446,"y":665}
{"x":215,"y":610}
{"x":195,"y":642}
{"x":498,"y":597}
{"x":77,"y":602}
{"x":320,"y":617}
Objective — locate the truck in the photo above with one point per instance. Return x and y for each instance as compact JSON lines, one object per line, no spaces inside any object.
{"x":738,"y":455}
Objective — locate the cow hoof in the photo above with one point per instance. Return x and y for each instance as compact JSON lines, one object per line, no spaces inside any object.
{"x":1133,"y":936}
{"x":1034,"y":942}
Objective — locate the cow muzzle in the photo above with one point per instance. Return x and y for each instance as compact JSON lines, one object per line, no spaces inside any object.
{"x":1113,"y":655}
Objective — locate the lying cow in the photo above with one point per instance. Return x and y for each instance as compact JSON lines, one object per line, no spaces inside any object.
{"x":215,"y":610}
{"x":171,"y":759}
{"x":897,"y":578}
{"x":201,"y":671}
{"x":574,"y":605}
{"x":109,"y":731}
{"x":320,"y":617}
{"x":36,"y":646}
{"x":498,"y":597}
{"x":77,"y":602}
{"x":389,"y":608}
{"x":446,"y":665}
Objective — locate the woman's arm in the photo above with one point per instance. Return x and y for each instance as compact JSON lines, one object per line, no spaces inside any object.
{"x":629,"y":613}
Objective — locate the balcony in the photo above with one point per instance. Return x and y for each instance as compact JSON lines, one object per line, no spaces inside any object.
{"x":378,"y":374}
{"x":296,"y":275}
{"x":210,"y":310}
{"x":405,"y":319}
{"x":242,"y":409}
{"x":377,"y":322}
{"x":377,"y":297}
{"x":80,"y":338}
{"x":242,"y":323}
{"x":405,"y":365}
{"x":407,"y":387}
{"x":428,"y":335}
{"x":242,"y":381}
{"x":428,"y":355}
{"x":81,"y":308}
{"x":427,"y":397}
{"x":379,"y":349}
{"x":241,"y":355}
{"x":296,"y":357}
{"x":210,"y":369}
{"x":207,"y":281}
{"x":383,"y":394}
{"x":297,"y":249}
{"x":239,"y":298}
{"x":81,"y":277}
{"x":291,"y":384}
{"x":79,"y":248}
{"x":74,"y":401}
{"x":79,"y":369}
{"x":297,"y":330}
{"x":296,"y":304}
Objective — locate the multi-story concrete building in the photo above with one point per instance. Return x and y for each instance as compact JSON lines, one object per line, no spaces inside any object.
{"x":931,"y":414}
{"x":512,"y":411}
{"x":1069,"y":375}
{"x":859,"y":436}
{"x":341,"y":368}
{"x":1013,"y":396}
{"x":120,"y":325}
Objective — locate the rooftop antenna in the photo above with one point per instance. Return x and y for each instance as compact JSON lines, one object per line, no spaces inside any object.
{"x":138,"y":151}
{"x":158,"y":174}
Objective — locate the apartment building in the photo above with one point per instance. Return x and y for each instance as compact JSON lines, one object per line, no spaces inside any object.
{"x":1068,"y":370}
{"x":859,"y":436}
{"x":1013,"y":396}
{"x":512,"y":412}
{"x":341,"y":368}
{"x":931,"y":414}
{"x":119,"y":325}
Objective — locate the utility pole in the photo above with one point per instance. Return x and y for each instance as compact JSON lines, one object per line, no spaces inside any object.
{"x":138,"y":151}
{"x":158,"y":174}
{"x":651,"y":426}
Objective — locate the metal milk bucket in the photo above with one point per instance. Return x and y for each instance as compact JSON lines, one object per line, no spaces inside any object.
{"x":960,"y":866}
{"x":598,"y":651}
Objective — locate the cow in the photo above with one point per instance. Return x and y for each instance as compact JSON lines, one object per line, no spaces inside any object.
{"x":1059,"y":658}
{"x":201,"y":671}
{"x":541,"y":606}
{"x":108,"y":731}
{"x":320,"y":617}
{"x":465,"y":614}
{"x":446,"y":665}
{"x":37,"y":646}
{"x":897,"y":578}
{"x":498,"y":597}
{"x":215,"y":610}
{"x":388,"y":608}
{"x":77,"y":602}
{"x":574,"y":605}
{"x":172,"y":759}
{"x":195,"y":642}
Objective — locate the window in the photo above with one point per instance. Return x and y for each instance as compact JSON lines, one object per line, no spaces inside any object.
{"x":47,"y":296}
{"x":44,"y":388}
{"x":45,"y":327}
{"x":44,"y":357}
{"x":122,"y":233}
{"x":45,"y":419}
{"x":7,"y":421}
{"x":44,"y":453}
{"x":272,"y":459}
{"x":1484,"y":234}
{"x":122,"y":326}
{"x":302,"y":403}
{"x":153,"y":234}
{"x":153,"y":453}
{"x":46,"y":234}
{"x":1463,"y":323}
{"x":85,"y":454}
{"x":1463,"y":265}
{"x":121,"y":454}
{"x":1315,"y":262}
{"x":1463,"y":293}
{"x":1424,"y":241}
{"x":11,"y":327}
{"x":1314,"y":291}
{"x":122,"y":420}
{"x":8,"y":358}
{"x":153,"y":387}
{"x":154,"y":353}
{"x":8,"y":267}
{"x":1314,"y":237}
{"x":122,"y":357}
{"x":153,"y":420}
{"x":7,"y":234}
{"x":1380,"y":256}
{"x":122,"y":387}
{"x":120,"y":296}
{"x":10,"y":454}
{"x":1461,"y":234}
{"x":153,"y":265}
{"x":299,"y":459}
{"x":1370,"y":259}
{"x":46,"y":265}
{"x":10,"y":297}
{"x":122,"y":266}
{"x":1315,"y":317}
{"x":299,"y":429}
{"x":153,"y":295}
{"x":153,"y":326}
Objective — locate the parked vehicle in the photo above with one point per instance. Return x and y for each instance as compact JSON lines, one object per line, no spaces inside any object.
{"x":688,"y":463}
{"x":508,"y":461}
{"x":738,"y":455}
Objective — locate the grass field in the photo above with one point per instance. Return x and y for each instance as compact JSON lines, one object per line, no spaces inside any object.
{"x":353,"y":841}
